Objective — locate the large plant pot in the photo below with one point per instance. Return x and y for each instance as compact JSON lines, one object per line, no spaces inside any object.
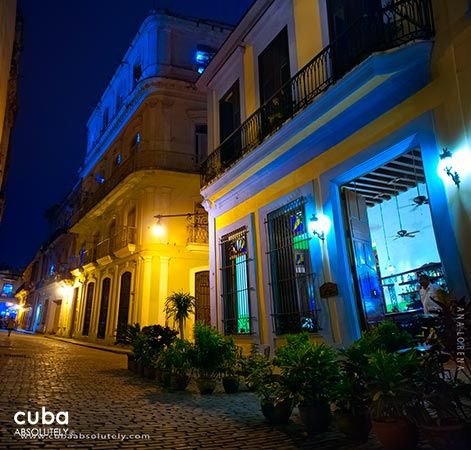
{"x":231,"y":384}
{"x":277,"y":414}
{"x":149,"y":372}
{"x":448,"y":436}
{"x":316,"y":417}
{"x":132,"y":363}
{"x":206,"y":386}
{"x":179,"y":381}
{"x":355,"y":427}
{"x":396,"y":433}
{"x":140,"y":368}
{"x":164,"y":378}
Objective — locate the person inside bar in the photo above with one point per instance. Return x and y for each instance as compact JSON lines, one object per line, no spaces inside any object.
{"x":428,"y":292}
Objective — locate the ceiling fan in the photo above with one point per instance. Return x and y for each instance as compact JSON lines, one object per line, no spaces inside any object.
{"x":402,"y":233}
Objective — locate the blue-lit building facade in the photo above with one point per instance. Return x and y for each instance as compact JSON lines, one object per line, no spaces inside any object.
{"x":339,"y":165}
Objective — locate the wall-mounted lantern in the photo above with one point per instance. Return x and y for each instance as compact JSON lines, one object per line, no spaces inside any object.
{"x":319,"y":225}
{"x":448,"y":166}
{"x":158,"y":229}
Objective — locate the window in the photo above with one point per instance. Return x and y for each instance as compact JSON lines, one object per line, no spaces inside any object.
{"x":52,"y":269}
{"x":123,"y":308}
{"x":135,"y":141}
{"x":105,"y":298}
{"x":119,"y":101}
{"x":136,"y":74}
{"x":7,"y":289}
{"x":235,"y":283}
{"x":229,"y":121}
{"x":100,"y":179}
{"x":106,"y":117}
{"x":292,"y":280}
{"x":88,"y":309}
{"x":273,"y":65}
{"x":118,"y":159}
{"x":201,"y":142}
{"x":203,"y":56}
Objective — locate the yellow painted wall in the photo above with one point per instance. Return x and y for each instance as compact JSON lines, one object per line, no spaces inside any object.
{"x":307,"y":29}
{"x":452,"y":63}
{"x":7,"y":35}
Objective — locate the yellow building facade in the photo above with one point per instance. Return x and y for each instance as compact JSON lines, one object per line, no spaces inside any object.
{"x":325,"y":141}
{"x":10,"y":42}
{"x":135,"y":215}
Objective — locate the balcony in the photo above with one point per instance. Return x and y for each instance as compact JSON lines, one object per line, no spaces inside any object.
{"x":124,"y":242}
{"x":197,"y":233}
{"x":395,"y":25}
{"x":104,"y":252}
{"x":142,"y":158}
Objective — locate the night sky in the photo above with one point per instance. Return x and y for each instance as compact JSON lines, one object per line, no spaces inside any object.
{"x":70,"y":51}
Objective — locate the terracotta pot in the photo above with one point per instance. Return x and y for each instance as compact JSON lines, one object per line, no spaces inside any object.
{"x":356,"y":427}
{"x":206,"y":386}
{"x":316,"y":417}
{"x":231,"y":384}
{"x":132,"y":363}
{"x":277,"y":414}
{"x":396,"y":433}
{"x":179,"y":381}
{"x":140,"y":368}
{"x":451,"y":435}
{"x":165,"y":377}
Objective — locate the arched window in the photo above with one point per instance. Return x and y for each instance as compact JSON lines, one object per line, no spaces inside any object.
{"x":123,"y":308}
{"x":105,"y":300}
{"x":88,"y":309}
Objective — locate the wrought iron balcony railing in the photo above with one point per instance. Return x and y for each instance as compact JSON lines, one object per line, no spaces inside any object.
{"x":197,"y":229}
{"x":400,"y":22}
{"x":125,"y":236}
{"x":140,"y":159}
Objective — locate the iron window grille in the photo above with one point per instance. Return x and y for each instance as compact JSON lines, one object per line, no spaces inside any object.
{"x":292,"y":280}
{"x":235,"y":283}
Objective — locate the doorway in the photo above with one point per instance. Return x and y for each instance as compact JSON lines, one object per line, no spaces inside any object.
{"x":390,"y":238}
{"x":202,"y":308}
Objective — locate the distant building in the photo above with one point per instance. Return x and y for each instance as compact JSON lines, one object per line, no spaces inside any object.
{"x":10,"y":281}
{"x":327,"y":186}
{"x":10,"y":46}
{"x":146,"y":140}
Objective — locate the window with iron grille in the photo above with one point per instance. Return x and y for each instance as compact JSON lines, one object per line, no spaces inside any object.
{"x":235,"y":283}
{"x":292,"y":278}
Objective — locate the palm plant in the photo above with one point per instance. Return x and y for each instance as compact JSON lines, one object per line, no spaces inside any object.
{"x":179,"y":306}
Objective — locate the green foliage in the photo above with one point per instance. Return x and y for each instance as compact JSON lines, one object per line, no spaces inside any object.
{"x":393,"y":379}
{"x":351,"y":392}
{"x":149,"y":341}
{"x":178,"y":307}
{"x":268,"y":386}
{"x":386,"y":336}
{"x":126,"y":334}
{"x":310,"y":370}
{"x":176,"y":358}
{"x":210,"y":351}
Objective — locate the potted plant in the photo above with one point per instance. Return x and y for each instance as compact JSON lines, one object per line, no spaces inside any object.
{"x":247,"y":364}
{"x":352,"y":400}
{"x":231,"y":379}
{"x":126,"y":335}
{"x":311,"y":372}
{"x":276,"y":400}
{"x":179,"y":306}
{"x":177,"y":362}
{"x":207,"y":357}
{"x":394,"y":388}
{"x":157,"y":339}
{"x":446,"y":406}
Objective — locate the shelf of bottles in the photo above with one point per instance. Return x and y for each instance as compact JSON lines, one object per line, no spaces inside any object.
{"x":402,"y":290}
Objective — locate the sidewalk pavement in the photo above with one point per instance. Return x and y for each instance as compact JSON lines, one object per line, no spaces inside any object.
{"x":106,"y":348}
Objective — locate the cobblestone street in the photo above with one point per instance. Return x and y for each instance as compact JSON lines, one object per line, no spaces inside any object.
{"x":101,"y":396}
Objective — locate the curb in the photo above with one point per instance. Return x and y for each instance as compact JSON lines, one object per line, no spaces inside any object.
{"x":90,"y":345}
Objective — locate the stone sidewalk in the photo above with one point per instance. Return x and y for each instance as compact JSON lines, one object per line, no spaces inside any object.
{"x":101,"y":396}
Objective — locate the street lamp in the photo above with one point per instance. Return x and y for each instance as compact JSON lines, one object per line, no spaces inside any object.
{"x":319,"y":225}
{"x":158,"y":229}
